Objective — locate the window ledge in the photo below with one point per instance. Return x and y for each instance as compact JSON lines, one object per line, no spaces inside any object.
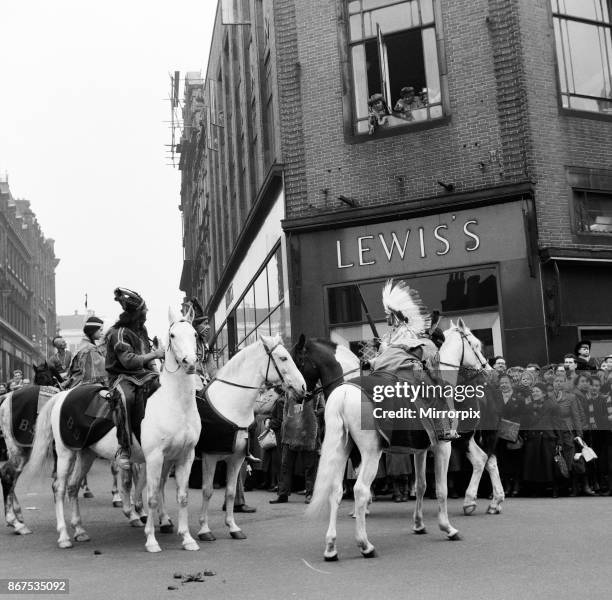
{"x":582,"y":237}
{"x":360,"y":138}
{"x":585,"y":114}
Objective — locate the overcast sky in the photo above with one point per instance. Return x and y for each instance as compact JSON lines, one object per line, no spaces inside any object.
{"x":83,"y":100}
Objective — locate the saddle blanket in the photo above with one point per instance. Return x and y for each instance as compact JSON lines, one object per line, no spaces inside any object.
{"x":397,"y":432}
{"x":85,"y":416}
{"x":219,"y":435}
{"x":26,"y":403}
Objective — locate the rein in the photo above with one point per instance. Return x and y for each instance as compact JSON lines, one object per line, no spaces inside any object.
{"x":464,"y":340}
{"x":322,"y":387}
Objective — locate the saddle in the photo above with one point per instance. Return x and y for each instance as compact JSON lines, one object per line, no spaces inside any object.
{"x":25,"y":405}
{"x":85,"y":416}
{"x":219,"y":435}
{"x":397,"y":432}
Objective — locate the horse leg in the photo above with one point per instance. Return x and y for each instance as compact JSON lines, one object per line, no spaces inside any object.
{"x":127,"y":504}
{"x":139,"y":478}
{"x":181,"y":476}
{"x":117,"y":503}
{"x":362,"y":493}
{"x":209,"y":462}
{"x":420,"y":477}
{"x":335,"y":498}
{"x":498,"y":489}
{"x":234,"y":464}
{"x":442,"y":451}
{"x":165,"y":523}
{"x":478,"y":457}
{"x":154,"y":481}
{"x":65,"y":464}
{"x":82,"y":465}
{"x":9,"y":474}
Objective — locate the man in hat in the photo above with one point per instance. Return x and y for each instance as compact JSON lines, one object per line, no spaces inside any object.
{"x":88,"y":364}
{"x":584,"y":361}
{"x":201,"y":324}
{"x":408,"y":102}
{"x":132,"y":373}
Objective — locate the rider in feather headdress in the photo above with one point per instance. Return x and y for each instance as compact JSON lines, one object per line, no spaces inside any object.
{"x":409,"y":344}
{"x":405,"y":345}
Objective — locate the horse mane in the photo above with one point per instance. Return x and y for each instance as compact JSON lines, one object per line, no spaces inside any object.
{"x":324,"y":342}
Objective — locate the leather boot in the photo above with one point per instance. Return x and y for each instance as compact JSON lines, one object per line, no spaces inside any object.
{"x":397,"y":494}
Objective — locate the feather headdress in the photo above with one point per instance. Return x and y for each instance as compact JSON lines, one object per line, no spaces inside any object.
{"x":406,"y":305}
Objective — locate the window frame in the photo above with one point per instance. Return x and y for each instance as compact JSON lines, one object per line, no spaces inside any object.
{"x":349,"y":98}
{"x":568,"y":111}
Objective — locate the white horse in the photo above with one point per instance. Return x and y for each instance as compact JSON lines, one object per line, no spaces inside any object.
{"x":73,"y":465}
{"x":171,"y":428}
{"x":343,"y":427}
{"x":18,"y":454}
{"x":232,"y":394}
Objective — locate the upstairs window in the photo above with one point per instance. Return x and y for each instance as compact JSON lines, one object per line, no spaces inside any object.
{"x":394,"y":55}
{"x":594,"y":212}
{"x":584,"y":53}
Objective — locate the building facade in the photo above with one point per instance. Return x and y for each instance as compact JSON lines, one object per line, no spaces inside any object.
{"x":465,"y":146}
{"x":27,"y":287}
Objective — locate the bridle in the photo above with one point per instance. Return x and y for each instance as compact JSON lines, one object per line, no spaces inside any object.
{"x":171,"y":349}
{"x":465,"y":340}
{"x":271,"y":361}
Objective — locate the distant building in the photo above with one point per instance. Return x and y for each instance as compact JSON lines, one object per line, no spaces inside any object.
{"x":27,"y":286}
{"x":70,"y":327}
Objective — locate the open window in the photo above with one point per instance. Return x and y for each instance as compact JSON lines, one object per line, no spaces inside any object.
{"x":593,"y":212}
{"x":394,"y":55}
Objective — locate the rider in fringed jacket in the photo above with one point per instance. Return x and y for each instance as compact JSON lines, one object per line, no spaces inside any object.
{"x":132,"y":373}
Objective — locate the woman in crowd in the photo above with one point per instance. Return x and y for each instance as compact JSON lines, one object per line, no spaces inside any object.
{"x":510,"y":454}
{"x":570,"y":429}
{"x":541,"y":434}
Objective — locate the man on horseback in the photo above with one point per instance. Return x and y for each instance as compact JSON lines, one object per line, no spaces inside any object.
{"x":405,"y":348}
{"x":132,"y":373}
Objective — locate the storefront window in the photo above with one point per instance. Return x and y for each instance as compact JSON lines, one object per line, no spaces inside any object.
{"x":471,"y":294}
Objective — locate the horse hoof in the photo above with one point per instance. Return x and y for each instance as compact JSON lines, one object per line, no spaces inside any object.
{"x":419,"y":530}
{"x":136,"y":523}
{"x":206,"y":537}
{"x":23,"y":530}
{"x":493,"y":511}
{"x":153,"y":548}
{"x":81,"y":537}
{"x":238,"y":535}
{"x":191,"y":546}
{"x":469,"y":509}
{"x":370,"y":554}
{"x":117,"y":504}
{"x":331,"y":558}
{"x":454,"y":537}
{"x":65,"y":544}
{"x":168,"y":528}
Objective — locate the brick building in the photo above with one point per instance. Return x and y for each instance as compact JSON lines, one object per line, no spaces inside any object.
{"x":27,"y":287}
{"x":488,"y":184}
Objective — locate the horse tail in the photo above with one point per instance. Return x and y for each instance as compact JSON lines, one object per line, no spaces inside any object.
{"x":333,"y":454}
{"x":42,"y":447}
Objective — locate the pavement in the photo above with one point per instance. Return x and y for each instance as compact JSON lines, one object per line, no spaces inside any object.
{"x":544,"y":548}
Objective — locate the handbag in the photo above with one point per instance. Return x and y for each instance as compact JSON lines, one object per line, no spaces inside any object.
{"x":267,"y":439}
{"x":515,"y":445}
{"x":508,"y":430}
{"x":561,"y":469}
{"x":588,"y":453}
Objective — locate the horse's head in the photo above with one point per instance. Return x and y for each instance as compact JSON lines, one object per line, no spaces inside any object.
{"x":46,"y":375}
{"x":280,"y":368}
{"x":462,"y":349}
{"x":302,"y":358}
{"x":181,"y":349}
